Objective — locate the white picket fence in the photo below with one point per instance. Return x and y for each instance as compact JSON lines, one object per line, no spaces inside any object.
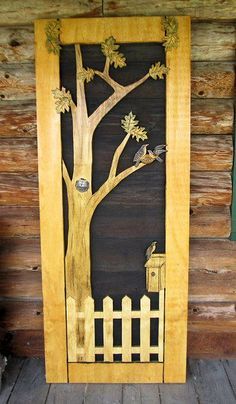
{"x":86,"y":321}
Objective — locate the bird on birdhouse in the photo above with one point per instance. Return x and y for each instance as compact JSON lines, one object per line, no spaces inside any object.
{"x":150,"y":250}
{"x":159,"y":150}
{"x":140,"y":154}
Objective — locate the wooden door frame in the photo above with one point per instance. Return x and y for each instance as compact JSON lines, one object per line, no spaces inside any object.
{"x":91,"y":31}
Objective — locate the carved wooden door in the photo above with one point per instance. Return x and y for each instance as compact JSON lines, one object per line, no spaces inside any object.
{"x":113,"y":133}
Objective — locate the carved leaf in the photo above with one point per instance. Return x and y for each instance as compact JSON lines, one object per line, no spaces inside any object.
{"x":86,"y":74}
{"x":139,"y":133}
{"x":130,"y":126}
{"x":63,"y":99}
{"x":52,"y":31}
{"x":110,"y":49}
{"x":157,"y":71}
{"x":171,"y":38}
{"x":129,"y":122}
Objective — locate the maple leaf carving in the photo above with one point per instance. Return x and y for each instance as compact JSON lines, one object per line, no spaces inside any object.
{"x":110,"y":49}
{"x":86,"y":74}
{"x":171,"y":38}
{"x":157,"y":71}
{"x":52,"y":31}
{"x":63,"y":100}
{"x":131,"y":127}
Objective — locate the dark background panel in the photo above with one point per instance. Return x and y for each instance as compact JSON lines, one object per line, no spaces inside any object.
{"x":133,"y":214}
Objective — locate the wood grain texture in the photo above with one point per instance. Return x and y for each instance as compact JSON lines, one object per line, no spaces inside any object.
{"x":179,"y":393}
{"x":17,"y":189}
{"x":213,"y":41}
{"x":26,"y":12}
{"x":17,"y":119}
{"x":29,"y":343}
{"x":233,"y":207}
{"x":212,"y":285}
{"x":16,"y":44}
{"x":209,"y":80}
{"x":212,"y":80}
{"x":62,"y":393}
{"x":210,"y":221}
{"x":230,"y":368}
{"x":211,"y":344}
{"x":177,"y":205}
{"x":22,"y":279}
{"x":213,"y":255}
{"x":18,"y":155}
{"x":115,"y":372}
{"x":21,"y":314}
{"x":202,"y":343}
{"x":207,"y":117}
{"x":19,"y":221}
{"x":211,"y":153}
{"x":210,"y":188}
{"x":24,"y":253}
{"x":211,"y":381}
{"x":213,"y":9}
{"x":17,"y":82}
{"x":212,"y":315}
{"x":31,"y":384}
{"x":210,"y":41}
{"x":205,"y":221}
{"x":51,"y":231}
{"x":94,"y":31}
{"x":20,"y":283}
{"x":18,"y":253}
{"x":208,"y":153}
{"x":212,"y":117}
{"x":14,"y":366}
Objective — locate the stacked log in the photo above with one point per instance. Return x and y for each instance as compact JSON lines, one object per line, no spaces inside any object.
{"x":212,"y":254}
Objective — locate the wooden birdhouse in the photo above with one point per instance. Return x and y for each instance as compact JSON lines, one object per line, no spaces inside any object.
{"x":155,"y":273}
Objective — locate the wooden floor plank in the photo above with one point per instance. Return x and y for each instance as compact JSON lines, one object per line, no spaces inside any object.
{"x":66,"y":393}
{"x":178,"y":393}
{"x":131,"y":394}
{"x":30,"y":386}
{"x":103,"y":394}
{"x":10,"y":376}
{"x":230,"y":368}
{"x":211,"y":382}
{"x":150,"y":394}
{"x":112,"y":393}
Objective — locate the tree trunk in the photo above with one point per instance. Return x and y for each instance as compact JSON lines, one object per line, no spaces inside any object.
{"x":78,"y":250}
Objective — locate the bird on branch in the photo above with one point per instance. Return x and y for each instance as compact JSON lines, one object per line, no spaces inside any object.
{"x":157,"y":151}
{"x":140,"y":154}
{"x":150,"y":250}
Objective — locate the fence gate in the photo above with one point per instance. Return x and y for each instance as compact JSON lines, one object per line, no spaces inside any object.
{"x":113,"y":114}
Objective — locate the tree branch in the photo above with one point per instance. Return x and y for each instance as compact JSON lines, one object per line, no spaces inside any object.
{"x":106,"y":67}
{"x":66,"y":176}
{"x":117,"y":155}
{"x":108,"y":79}
{"x":110,"y":102}
{"x":81,"y":99}
{"x":110,"y":184}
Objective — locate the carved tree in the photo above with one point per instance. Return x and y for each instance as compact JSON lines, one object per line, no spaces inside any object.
{"x":82,"y":205}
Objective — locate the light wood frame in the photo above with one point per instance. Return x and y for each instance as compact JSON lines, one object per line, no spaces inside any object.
{"x":90,"y":31}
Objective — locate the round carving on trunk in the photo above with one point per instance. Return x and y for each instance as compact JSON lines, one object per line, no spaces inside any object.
{"x":82,"y":185}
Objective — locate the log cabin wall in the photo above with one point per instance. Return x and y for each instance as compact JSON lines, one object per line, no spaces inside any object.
{"x":212,"y":331}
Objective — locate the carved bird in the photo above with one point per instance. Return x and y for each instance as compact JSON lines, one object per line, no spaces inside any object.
{"x":140,"y":154}
{"x":150,"y":250}
{"x":159,"y":150}
{"x":148,"y":158}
